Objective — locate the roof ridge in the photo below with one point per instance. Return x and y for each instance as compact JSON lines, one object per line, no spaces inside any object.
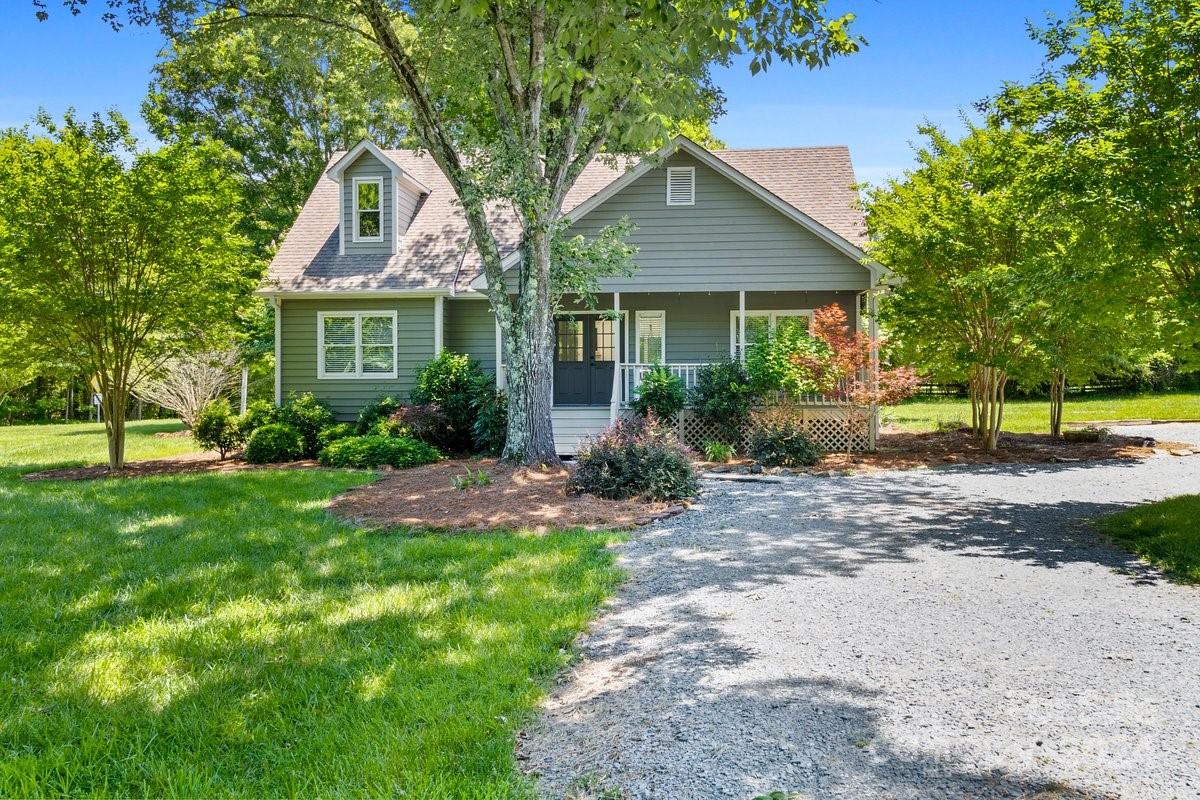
{"x":781,"y":148}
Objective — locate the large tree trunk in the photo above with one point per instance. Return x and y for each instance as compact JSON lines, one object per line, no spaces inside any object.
{"x":973,"y":393}
{"x":1058,"y":391}
{"x":529,"y":358}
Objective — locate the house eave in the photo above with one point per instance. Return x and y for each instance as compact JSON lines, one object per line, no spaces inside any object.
{"x":347,"y":294}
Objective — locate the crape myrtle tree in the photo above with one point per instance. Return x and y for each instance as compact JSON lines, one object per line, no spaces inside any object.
{"x":962,"y":233}
{"x":513,"y":99}
{"x":1121,"y":87}
{"x":1090,"y":318}
{"x":119,"y":259}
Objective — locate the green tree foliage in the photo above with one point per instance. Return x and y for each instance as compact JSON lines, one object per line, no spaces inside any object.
{"x":283,"y":97}
{"x":512,"y":100}
{"x":121,"y":258}
{"x":1120,"y":87}
{"x":962,"y":234}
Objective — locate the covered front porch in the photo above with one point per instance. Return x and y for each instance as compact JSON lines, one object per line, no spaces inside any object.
{"x":602,"y":354}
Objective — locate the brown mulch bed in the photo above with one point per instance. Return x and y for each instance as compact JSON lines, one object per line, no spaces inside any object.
{"x":518,"y":498}
{"x":911,"y":450}
{"x":900,"y":450}
{"x":192,"y":462}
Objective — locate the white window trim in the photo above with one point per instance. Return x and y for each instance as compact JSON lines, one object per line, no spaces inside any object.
{"x":772,"y":316}
{"x":358,"y":374}
{"x":691,"y":201}
{"x":354,"y":210}
{"x":637,"y":334}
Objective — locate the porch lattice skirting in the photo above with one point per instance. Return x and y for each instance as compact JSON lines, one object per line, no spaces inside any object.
{"x":823,"y":425}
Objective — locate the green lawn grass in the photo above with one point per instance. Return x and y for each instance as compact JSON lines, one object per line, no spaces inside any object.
{"x":222,"y":635}
{"x":1033,"y":416}
{"x":42,"y":446}
{"x":1166,"y":533}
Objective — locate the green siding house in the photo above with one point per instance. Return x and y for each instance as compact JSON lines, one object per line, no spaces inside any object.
{"x":378,"y":275}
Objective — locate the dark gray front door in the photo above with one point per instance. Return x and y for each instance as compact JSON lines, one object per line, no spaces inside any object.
{"x":585,"y":350}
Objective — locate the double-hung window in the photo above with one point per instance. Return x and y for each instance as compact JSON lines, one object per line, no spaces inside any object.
{"x":764,"y":323}
{"x":651,"y":337}
{"x":356,"y":344}
{"x":368,"y":209}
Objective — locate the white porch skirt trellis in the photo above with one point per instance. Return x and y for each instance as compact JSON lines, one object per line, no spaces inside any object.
{"x":824,"y":425}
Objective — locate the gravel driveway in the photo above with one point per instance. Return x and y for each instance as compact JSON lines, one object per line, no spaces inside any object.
{"x":943,"y":633}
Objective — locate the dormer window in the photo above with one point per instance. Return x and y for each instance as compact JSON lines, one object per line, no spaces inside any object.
{"x":681,"y":186}
{"x":368,"y":205}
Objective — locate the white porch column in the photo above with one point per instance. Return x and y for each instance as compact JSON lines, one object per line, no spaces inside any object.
{"x":439,"y":315}
{"x":615,"y":406}
{"x":501,"y":380}
{"x":742,"y":326}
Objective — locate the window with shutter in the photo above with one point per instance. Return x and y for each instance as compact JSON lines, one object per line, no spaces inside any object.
{"x":681,"y":186}
{"x":356,"y":344}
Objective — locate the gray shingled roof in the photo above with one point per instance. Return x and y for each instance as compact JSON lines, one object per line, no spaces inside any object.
{"x":433,"y":254}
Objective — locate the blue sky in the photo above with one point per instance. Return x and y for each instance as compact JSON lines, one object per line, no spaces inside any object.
{"x":925,"y":60}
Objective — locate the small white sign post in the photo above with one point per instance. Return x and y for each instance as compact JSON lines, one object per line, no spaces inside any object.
{"x":96,"y":400}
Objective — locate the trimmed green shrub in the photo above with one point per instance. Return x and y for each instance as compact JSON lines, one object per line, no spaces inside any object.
{"x":217,"y":428}
{"x":660,"y":393}
{"x":490,"y":430}
{"x":273,"y":443}
{"x":449,"y":382}
{"x":258,"y":413}
{"x":339,"y":430}
{"x":376,"y":451}
{"x":372,"y":413}
{"x":723,"y":396}
{"x":778,"y":439}
{"x":308,"y":416}
{"x":635,"y":458}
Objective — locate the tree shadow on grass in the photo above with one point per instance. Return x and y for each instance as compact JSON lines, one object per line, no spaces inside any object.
{"x":222,"y":634}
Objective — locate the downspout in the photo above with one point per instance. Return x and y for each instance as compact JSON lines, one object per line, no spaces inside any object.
{"x":277,"y":304}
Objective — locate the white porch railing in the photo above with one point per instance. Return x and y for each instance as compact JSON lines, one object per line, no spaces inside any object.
{"x":632,"y":375}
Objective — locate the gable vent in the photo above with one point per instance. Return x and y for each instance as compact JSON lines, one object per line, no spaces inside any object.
{"x":681,"y":186}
